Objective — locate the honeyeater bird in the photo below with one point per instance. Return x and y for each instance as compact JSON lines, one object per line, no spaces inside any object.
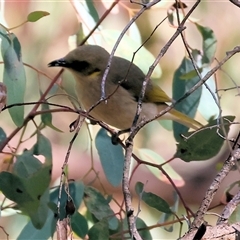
{"x":123,"y":84}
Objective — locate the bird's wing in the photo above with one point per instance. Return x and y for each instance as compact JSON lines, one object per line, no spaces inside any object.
{"x":131,"y":78}
{"x":156,"y":95}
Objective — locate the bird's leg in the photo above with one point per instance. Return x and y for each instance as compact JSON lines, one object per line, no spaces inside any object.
{"x":115,"y":136}
{"x":74,"y":124}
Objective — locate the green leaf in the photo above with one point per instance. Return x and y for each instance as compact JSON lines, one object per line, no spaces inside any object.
{"x":17,"y":187}
{"x":145,"y":234}
{"x":99,"y":231}
{"x":30,"y":194}
{"x":30,"y":232}
{"x":156,"y":202}
{"x":76,"y":191}
{"x":47,"y":118}
{"x":92,"y":10}
{"x":3,"y":135}
{"x":99,"y":207}
{"x":13,"y":75}
{"x":79,"y":225}
{"x":28,"y":185}
{"x":190,"y":104}
{"x":26,"y":165}
{"x":170,"y":16}
{"x":111,"y":157}
{"x":209,"y":43}
{"x":38,"y":210}
{"x":43,"y":147}
{"x":139,"y":188}
{"x":204,"y":144}
{"x":36,"y":15}
{"x":167,"y":217}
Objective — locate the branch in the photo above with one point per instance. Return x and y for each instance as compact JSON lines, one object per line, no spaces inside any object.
{"x":229,"y":208}
{"x":141,"y":11}
{"x":223,"y":231}
{"x":229,"y":163}
{"x":235,"y":2}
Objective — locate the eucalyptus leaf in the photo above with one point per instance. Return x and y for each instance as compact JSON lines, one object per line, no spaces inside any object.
{"x":30,"y":232}
{"x":111,"y":157}
{"x":205,"y":143}
{"x":47,"y":117}
{"x":209,"y":45}
{"x":79,"y":224}
{"x":92,"y":10}
{"x":156,"y":202}
{"x":99,"y":207}
{"x":30,"y":194}
{"x":152,"y":199}
{"x":13,"y":75}
{"x":190,"y":104}
{"x":2,"y":135}
{"x":99,"y":231}
{"x":36,"y":15}
{"x":43,"y":147}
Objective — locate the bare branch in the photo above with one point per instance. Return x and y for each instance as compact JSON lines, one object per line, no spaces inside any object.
{"x":235,"y":2}
{"x":229,"y":163}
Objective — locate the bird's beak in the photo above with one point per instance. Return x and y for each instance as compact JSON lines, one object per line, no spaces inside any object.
{"x":58,"y":63}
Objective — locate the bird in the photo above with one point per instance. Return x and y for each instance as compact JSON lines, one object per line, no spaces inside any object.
{"x":123,"y":86}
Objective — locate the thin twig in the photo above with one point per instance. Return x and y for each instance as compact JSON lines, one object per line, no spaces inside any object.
{"x":65,"y":163}
{"x":134,"y":130}
{"x":141,"y":11}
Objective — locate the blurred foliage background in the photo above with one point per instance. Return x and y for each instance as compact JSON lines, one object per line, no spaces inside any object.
{"x":48,"y":39}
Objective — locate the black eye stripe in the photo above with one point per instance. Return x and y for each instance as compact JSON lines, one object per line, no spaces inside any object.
{"x":80,"y":66}
{"x":83,"y":67}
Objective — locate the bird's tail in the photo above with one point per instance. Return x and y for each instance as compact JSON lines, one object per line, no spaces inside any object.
{"x":185,"y":120}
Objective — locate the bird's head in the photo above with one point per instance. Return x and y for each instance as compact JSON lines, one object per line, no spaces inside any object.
{"x":84,"y":60}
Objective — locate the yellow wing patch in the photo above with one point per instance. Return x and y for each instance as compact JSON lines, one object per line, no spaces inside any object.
{"x":157,"y":95}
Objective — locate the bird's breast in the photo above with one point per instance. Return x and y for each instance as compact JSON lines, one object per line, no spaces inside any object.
{"x":119,"y":109}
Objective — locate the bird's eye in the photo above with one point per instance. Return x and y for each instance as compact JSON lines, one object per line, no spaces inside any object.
{"x":80,"y":66}
{"x":84,"y":67}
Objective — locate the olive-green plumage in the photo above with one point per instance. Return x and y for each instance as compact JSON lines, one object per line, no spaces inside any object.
{"x":88,"y":64}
